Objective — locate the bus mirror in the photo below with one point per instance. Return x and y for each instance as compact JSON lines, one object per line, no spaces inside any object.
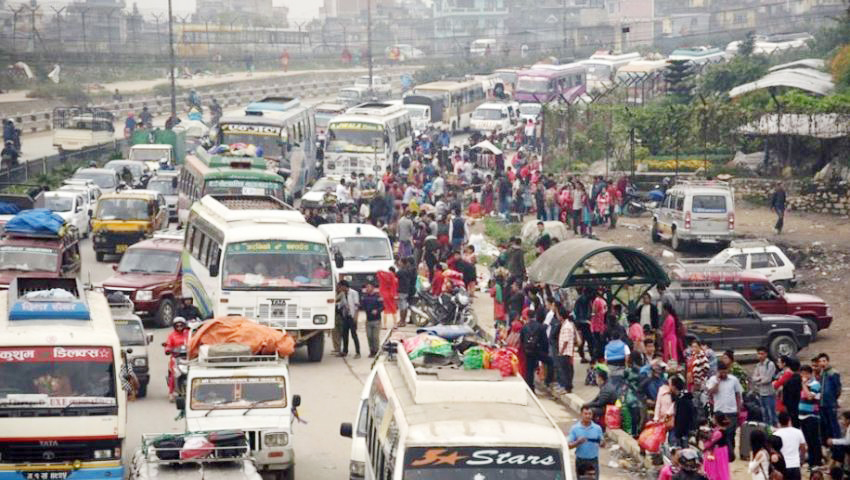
{"x":345,"y":429}
{"x":180,"y":403}
{"x":214,"y":267}
{"x":339,"y":260}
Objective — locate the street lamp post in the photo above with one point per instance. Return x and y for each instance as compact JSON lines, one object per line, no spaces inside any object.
{"x":172,"y":61}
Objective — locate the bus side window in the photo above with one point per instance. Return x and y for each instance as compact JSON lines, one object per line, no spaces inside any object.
{"x":190,"y":231}
{"x":204,"y":252}
{"x":213,"y":259}
{"x":196,"y":244}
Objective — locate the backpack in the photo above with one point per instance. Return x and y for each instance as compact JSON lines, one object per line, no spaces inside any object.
{"x":531,"y":342}
{"x":405,"y":162}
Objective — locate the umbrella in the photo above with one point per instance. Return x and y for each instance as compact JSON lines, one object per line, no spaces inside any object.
{"x":486,"y":145}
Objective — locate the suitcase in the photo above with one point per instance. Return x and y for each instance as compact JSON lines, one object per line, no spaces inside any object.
{"x":746,"y":429}
{"x":167,"y":447}
{"x":229,"y":438}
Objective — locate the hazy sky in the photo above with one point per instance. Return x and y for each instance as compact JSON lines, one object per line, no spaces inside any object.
{"x":298,"y":9}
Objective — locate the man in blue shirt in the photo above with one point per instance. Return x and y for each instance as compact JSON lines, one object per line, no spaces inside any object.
{"x":586,"y":437}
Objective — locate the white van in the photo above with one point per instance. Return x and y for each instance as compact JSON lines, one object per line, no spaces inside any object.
{"x":365,"y":248}
{"x":701,"y":211}
{"x":483,"y":46}
{"x":492,"y":116}
{"x":357,"y":432}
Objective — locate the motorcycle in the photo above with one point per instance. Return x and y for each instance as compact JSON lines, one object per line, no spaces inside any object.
{"x":453,"y":308}
{"x":635,"y":204}
{"x":178,"y":370}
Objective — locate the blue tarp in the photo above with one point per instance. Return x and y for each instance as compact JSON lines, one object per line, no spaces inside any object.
{"x":36,"y":221}
{"x":7,"y":208}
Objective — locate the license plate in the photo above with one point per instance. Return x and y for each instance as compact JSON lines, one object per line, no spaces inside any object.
{"x":48,"y":475}
{"x":120,"y":248}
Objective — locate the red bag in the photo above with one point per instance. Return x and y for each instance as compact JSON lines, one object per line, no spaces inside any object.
{"x":652,"y":436}
{"x":613,"y":418}
{"x":499,"y":311}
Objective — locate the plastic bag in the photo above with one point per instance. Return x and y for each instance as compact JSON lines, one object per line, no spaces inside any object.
{"x":196,"y":446}
{"x":613,"y":416}
{"x":475,"y":358}
{"x":426,"y":344}
{"x":505,"y":360}
{"x":652,"y":436}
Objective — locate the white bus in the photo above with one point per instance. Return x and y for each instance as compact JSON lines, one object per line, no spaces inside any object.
{"x":256,"y":256}
{"x":460,"y":99}
{"x":63,"y":412}
{"x":602,"y":67}
{"x":366,"y":138}
{"x":455,"y":424}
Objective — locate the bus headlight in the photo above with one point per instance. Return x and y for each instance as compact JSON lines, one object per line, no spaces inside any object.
{"x":140,"y":362}
{"x":144,"y":295}
{"x":357,"y":469}
{"x":320,"y":319}
{"x":106,"y":454}
{"x":276,"y":439}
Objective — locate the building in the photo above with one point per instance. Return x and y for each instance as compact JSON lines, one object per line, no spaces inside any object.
{"x":457,"y":23}
{"x":350,"y":8}
{"x":246,"y":12}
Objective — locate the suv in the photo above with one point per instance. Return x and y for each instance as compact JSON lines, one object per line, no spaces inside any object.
{"x":725,"y":320}
{"x":48,"y":255}
{"x":696,"y":211}
{"x":760,"y":256}
{"x":134,"y":340}
{"x":150,"y":274}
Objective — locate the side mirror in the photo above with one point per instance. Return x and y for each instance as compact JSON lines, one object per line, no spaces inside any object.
{"x":129,"y":351}
{"x":296,"y":401}
{"x":345,"y":429}
{"x":114,"y":267}
{"x":78,"y":209}
{"x":149,"y":337}
{"x":339,"y":260}
{"x":180,"y":403}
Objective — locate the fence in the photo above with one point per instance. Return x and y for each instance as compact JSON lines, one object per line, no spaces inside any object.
{"x":27,"y":171}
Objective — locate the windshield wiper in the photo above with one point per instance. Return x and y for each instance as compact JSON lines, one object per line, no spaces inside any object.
{"x":216,"y":407}
{"x":258,"y":402}
{"x":81,"y":402}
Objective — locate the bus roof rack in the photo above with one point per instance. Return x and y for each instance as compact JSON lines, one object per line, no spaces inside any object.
{"x":46,"y":298}
{"x":703,"y":183}
{"x":235,"y":355}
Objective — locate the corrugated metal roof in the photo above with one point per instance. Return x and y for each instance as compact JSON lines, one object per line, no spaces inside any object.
{"x":814,"y":63}
{"x":807,"y":79}
{"x":822,"y":125}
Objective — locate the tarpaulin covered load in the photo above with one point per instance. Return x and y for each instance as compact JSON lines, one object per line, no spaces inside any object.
{"x":35,"y":221}
{"x":7,"y":208}
{"x":261,"y":339}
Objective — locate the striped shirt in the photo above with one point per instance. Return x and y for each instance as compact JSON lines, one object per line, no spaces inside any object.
{"x":809,"y":403}
{"x":567,"y":339}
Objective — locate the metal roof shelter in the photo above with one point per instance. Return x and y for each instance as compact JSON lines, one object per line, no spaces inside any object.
{"x":810,"y":80}
{"x":563,"y":265}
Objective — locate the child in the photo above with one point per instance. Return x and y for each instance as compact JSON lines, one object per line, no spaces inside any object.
{"x":716,"y":450}
{"x":636,"y":334}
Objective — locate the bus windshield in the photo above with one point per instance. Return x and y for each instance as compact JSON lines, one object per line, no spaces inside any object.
{"x":28,"y":259}
{"x":238,"y":392}
{"x":276,"y":265}
{"x":465,"y":463}
{"x":51,"y":377}
{"x":355,"y":137}
{"x":122,"y":209}
{"x":243,"y":187}
{"x":533,"y":84}
{"x":130,"y":333}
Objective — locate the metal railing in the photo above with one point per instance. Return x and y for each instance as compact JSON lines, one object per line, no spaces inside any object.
{"x":32,"y":169}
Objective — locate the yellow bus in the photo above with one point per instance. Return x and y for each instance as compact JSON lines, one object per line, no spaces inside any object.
{"x":460,"y":99}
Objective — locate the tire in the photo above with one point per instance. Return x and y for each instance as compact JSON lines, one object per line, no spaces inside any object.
{"x":782,"y":345}
{"x":143,"y":391}
{"x":288,"y":474}
{"x":675,"y":243}
{"x":468,"y":318}
{"x":418,"y":317}
{"x":654,"y":233}
{"x":99,"y":256}
{"x":316,"y":348}
{"x":814,"y":326}
{"x":165,"y":313}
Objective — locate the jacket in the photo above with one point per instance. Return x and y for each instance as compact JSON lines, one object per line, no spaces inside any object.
{"x":535,"y":329}
{"x":831,"y":388}
{"x":515,"y":261}
{"x":372,"y":304}
{"x":685,"y":416}
{"x":607,"y":396}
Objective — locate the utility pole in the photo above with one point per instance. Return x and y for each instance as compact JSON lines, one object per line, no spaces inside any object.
{"x":369,"y":41}
{"x":564,"y":27}
{"x":172,"y":63}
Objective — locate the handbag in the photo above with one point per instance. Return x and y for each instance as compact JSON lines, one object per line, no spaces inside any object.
{"x":652,"y":436}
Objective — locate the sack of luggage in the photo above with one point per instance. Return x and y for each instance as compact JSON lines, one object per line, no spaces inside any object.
{"x":231,"y":438}
{"x":167,"y":447}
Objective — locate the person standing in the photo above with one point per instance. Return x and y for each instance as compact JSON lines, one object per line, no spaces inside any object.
{"x":726,"y":396}
{"x":373,"y":306}
{"x":405,"y":235}
{"x":598,"y":309}
{"x":669,"y":333}
{"x":581,"y":313}
{"x":406,"y":288}
{"x":349,"y":310}
{"x":777,"y":204}
{"x":809,"y":415}
{"x":566,"y":349}
{"x":830,"y":391}
{"x":458,"y":231}
{"x":578,"y":198}
{"x":762,"y":382}
{"x":587,"y":438}
{"x":793,"y":446}
{"x":535,"y":345}
{"x":759,"y":465}
{"x":515,"y":260}
{"x":388,"y":288}
{"x":791,"y":386}
{"x":716,"y":449}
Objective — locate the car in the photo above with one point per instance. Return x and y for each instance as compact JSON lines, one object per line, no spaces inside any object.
{"x":105,"y":178}
{"x":90,"y":192}
{"x":139,"y":169}
{"x":724,"y":320}
{"x":150,"y":274}
{"x":320,"y":193}
{"x":381,"y":87}
{"x":757,"y":289}
{"x":366,"y":250}
{"x":760,"y":256}
{"x":134,"y":340}
{"x":71,"y":206}
{"x":165,"y":182}
{"x":124,"y":218}
{"x":29,"y":254}
{"x":530,"y":111}
{"x":696,"y":211}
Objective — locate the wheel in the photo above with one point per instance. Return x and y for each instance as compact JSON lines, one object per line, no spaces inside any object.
{"x":675,"y":242}
{"x":99,"y":256}
{"x":468,"y":318}
{"x":782,"y":345}
{"x":316,"y":347}
{"x":143,"y":390}
{"x":786,"y":284}
{"x":165,"y":313}
{"x":288,"y":474}
{"x":654,"y":233}
{"x":814,"y":327}
{"x":418,"y":317}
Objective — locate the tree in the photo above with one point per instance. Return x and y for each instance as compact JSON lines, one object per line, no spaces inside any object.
{"x":722,"y":77}
{"x":679,"y":77}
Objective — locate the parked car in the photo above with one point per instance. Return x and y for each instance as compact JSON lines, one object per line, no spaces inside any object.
{"x":696,"y":211}
{"x":150,"y":274}
{"x":725,"y":320}
{"x":760,"y":256}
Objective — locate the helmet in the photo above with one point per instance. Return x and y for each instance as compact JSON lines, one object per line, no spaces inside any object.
{"x":179,"y":321}
{"x":690,"y":460}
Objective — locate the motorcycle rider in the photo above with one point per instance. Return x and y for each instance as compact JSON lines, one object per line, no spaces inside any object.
{"x":177,"y":338}
{"x":146,"y":118}
{"x":188,"y":310}
{"x":9,"y":155}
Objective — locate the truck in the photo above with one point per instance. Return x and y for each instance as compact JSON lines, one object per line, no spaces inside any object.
{"x":63,"y":410}
{"x":230,"y":387}
{"x":75,"y":128}
{"x":38,"y":252}
{"x":149,"y":143}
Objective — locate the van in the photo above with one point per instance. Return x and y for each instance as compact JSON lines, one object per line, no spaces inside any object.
{"x":492,"y":116}
{"x":696,"y":211}
{"x":365,"y":248}
{"x":124,"y":218}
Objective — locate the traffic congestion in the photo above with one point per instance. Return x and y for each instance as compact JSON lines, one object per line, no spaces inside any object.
{"x":392,"y":283}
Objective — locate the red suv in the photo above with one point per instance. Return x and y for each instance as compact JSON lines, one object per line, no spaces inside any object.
{"x":150,"y":274}
{"x":764,"y":296}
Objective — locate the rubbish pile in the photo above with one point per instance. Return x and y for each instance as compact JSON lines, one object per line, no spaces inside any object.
{"x":237,"y":150}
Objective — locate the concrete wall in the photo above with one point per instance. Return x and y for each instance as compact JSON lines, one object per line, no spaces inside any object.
{"x":803,"y":196}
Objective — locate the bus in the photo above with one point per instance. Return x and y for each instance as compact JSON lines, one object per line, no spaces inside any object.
{"x":256,"y":256}
{"x":699,"y":56}
{"x":197,"y":179}
{"x":322,"y":115}
{"x":366,"y":139}
{"x":644,"y":80}
{"x":602,"y":67}
{"x":460,"y":99}
{"x":455,"y":424}
{"x":63,"y":411}
{"x":543,"y":83}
